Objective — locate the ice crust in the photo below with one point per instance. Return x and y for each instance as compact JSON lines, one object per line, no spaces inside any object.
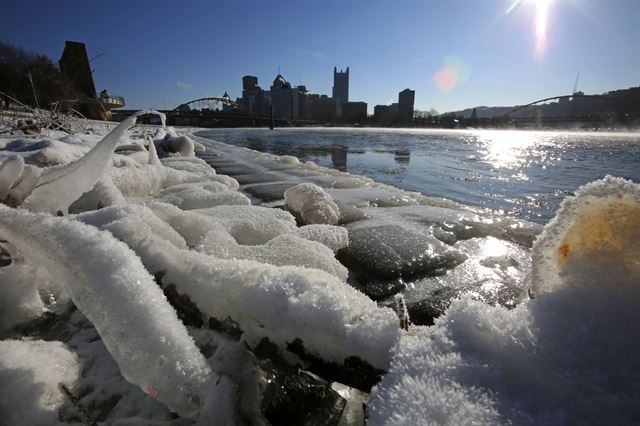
{"x":30,"y":392}
{"x":115,"y":291}
{"x":333,"y":320}
{"x":569,"y":355}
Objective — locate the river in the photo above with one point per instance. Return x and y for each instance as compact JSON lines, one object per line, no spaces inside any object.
{"x":521,"y":173}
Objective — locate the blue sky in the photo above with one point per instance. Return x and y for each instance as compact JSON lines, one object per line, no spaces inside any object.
{"x":480,"y":52}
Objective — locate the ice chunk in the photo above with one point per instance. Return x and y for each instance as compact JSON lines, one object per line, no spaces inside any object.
{"x":10,"y":172}
{"x":313,"y":204}
{"x":334,"y":237}
{"x":31,"y":373}
{"x":110,"y":286}
{"x":58,"y":187}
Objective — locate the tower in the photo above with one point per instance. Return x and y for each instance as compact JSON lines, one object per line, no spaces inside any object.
{"x":405,"y":105}
{"x":340,"y":88}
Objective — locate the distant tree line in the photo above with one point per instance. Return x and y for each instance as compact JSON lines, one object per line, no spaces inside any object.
{"x":31,"y":78}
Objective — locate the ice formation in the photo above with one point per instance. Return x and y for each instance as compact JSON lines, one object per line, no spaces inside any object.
{"x":30,"y":393}
{"x":313,"y":204}
{"x":108,"y":283}
{"x":58,"y":187}
{"x":333,"y":320}
{"x":172,"y":143}
{"x":552,"y":360}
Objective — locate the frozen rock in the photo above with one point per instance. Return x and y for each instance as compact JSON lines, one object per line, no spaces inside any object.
{"x":392,"y":251}
{"x":172,"y":143}
{"x":282,"y":250}
{"x":289,"y":159}
{"x":31,"y":373}
{"x":199,"y":197}
{"x":252,"y":224}
{"x":334,"y":237}
{"x":313,"y":204}
{"x":494,"y":272}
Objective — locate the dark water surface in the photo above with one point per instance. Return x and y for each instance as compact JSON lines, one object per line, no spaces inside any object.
{"x":523,"y":173}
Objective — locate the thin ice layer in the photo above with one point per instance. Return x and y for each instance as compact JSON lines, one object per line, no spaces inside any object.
{"x":110,"y":286}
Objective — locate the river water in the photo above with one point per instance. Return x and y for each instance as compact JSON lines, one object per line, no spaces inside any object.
{"x":521,"y":173}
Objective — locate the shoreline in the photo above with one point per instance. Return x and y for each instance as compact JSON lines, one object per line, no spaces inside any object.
{"x":167,"y":276}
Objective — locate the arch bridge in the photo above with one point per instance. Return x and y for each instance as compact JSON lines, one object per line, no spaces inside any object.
{"x":212,"y":103}
{"x":579,"y":95}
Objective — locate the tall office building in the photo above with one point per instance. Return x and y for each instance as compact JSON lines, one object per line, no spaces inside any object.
{"x":406,"y":99}
{"x":340,"y":88}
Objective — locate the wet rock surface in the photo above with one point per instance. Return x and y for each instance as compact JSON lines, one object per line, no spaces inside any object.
{"x":391,"y":251}
{"x":295,"y":396}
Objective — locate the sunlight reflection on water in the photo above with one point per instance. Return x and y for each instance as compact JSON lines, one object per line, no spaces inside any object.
{"x":523,"y":173}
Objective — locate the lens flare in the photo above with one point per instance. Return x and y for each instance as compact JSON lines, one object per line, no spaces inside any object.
{"x":542,"y":7}
{"x":454,"y":72}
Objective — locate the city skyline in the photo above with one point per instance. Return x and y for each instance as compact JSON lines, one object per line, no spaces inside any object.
{"x":454,"y":55}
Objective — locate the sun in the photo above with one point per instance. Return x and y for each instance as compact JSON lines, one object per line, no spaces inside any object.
{"x":540,"y":21}
{"x":542,"y":7}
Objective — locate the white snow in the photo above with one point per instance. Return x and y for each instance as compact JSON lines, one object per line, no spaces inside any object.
{"x":31,"y":373}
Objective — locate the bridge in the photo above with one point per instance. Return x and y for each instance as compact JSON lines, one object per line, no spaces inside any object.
{"x":577,"y":95}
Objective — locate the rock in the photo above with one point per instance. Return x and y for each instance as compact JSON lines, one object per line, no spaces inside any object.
{"x":392,"y":251}
{"x":295,"y":396}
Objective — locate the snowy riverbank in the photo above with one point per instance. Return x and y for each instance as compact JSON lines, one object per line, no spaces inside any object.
{"x":214,"y":289}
